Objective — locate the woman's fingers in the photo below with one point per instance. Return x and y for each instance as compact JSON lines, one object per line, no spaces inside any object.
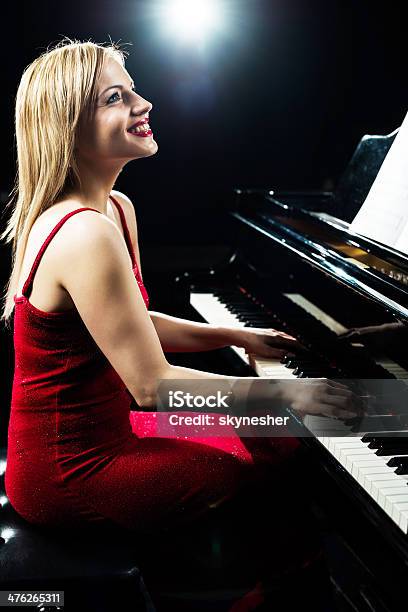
{"x":276,"y":353}
{"x":349,"y":335}
{"x":276,"y":332}
{"x":286,"y":335}
{"x":343,"y":399}
{"x":282,"y":341}
{"x":326,"y":397}
{"x":333,"y":411}
{"x":336,"y":385}
{"x":269,"y":353}
{"x":336,"y":388}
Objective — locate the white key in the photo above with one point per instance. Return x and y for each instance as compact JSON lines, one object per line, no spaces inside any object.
{"x":211,"y":309}
{"x":389,"y":497}
{"x":388,"y":489}
{"x":400,"y":509}
{"x":383,"y":484}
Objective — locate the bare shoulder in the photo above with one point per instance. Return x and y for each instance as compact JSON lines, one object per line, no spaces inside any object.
{"x":87,"y":233}
{"x":92,"y":243}
{"x":122,"y":197}
{"x":130,"y":214}
{"x":81,"y":241}
{"x":129,"y":210}
{"x":76,"y":227}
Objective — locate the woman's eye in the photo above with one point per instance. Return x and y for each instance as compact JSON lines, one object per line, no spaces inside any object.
{"x":112,"y":98}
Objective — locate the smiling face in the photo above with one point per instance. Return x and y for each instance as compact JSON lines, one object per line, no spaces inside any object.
{"x":119,"y":128}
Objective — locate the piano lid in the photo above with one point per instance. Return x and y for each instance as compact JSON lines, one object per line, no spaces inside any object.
{"x":353,"y":187}
{"x":326,"y":242}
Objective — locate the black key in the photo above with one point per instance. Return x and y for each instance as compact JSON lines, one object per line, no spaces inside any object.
{"x":259,"y":324}
{"x":389,"y":451}
{"x":255,"y":320}
{"x":295,"y":362}
{"x":314,"y":374}
{"x":378,"y":423}
{"x":300,"y":355}
{"x":308,"y":368}
{"x":286,"y":358}
{"x":397,"y":461}
{"x":313,"y":365}
{"x":401,"y":470}
{"x":242,"y":316}
{"x":401,"y":443}
{"x":368,"y":437}
{"x":240,"y":310}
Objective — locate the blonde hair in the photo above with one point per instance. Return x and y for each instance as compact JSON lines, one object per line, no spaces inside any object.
{"x":56,"y":90}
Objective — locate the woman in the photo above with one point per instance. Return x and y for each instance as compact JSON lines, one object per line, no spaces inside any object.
{"x":84,"y":339}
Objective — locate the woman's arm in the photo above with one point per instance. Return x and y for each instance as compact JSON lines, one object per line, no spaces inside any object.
{"x":180,"y":335}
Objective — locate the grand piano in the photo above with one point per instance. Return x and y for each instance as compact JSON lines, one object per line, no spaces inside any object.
{"x":296,"y":265}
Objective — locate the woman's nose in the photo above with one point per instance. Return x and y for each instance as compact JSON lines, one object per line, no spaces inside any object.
{"x":141,"y":106}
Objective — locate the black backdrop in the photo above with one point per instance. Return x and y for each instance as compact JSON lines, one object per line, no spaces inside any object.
{"x":281,"y":101}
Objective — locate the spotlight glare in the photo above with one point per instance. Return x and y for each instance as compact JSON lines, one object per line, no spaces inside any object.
{"x":192,"y":19}
{"x":7,"y":533}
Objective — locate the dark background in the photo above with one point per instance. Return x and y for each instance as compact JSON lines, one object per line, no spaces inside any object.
{"x":279,"y":101}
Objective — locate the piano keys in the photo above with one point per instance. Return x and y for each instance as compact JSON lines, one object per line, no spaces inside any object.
{"x":362,"y":462}
{"x":236,"y":310}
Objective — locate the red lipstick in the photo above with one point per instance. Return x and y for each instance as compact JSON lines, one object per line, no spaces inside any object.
{"x":143,"y":130}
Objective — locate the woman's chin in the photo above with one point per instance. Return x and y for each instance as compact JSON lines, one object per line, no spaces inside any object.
{"x":141,"y":155}
{"x":151,"y":149}
{"x":155,"y":146}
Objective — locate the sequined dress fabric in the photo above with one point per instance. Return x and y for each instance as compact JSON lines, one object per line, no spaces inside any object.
{"x":76,"y":452}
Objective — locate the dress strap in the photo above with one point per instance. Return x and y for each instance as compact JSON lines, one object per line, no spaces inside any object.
{"x":125,"y":230}
{"x":30,"y":279}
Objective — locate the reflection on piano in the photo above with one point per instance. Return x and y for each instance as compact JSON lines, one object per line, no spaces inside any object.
{"x":296,"y":266}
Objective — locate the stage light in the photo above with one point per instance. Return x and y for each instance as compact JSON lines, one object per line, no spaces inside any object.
{"x":192,"y":20}
{"x":7,"y":533}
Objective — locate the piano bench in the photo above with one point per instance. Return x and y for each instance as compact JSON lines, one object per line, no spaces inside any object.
{"x":96,"y":569}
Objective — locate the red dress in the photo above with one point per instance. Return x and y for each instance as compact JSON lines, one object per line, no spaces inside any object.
{"x":77,"y":454}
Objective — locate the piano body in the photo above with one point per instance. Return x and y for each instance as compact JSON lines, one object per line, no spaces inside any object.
{"x":296,"y":265}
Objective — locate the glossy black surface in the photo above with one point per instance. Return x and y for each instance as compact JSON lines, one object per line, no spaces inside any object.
{"x":369,"y":268}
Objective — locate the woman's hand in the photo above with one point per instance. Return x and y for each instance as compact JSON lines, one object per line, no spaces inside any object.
{"x":379,"y":337}
{"x":266,"y":343}
{"x":324,"y":397}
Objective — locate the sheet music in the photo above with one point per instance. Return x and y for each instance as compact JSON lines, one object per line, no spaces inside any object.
{"x":402,"y":242}
{"x":384,"y":214}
